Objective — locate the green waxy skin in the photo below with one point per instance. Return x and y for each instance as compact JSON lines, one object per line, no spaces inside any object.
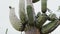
{"x":14,"y":20}
{"x":28,"y":20}
{"x":22,"y":11}
{"x":34,"y":1}
{"x":44,"y":5}
{"x":22,"y":15}
{"x":52,"y":17}
{"x":38,"y":14}
{"x":48,"y":28}
{"x":41,"y":20}
{"x":30,"y":14}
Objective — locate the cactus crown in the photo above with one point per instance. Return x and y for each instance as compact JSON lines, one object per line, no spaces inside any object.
{"x":30,"y":20}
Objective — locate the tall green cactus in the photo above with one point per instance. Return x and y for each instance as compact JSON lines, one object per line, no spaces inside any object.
{"x":48,"y":28}
{"x":29,"y":20}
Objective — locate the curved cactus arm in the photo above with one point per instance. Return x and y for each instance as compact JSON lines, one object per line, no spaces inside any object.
{"x":48,"y":28}
{"x":14,"y":20}
{"x":22,"y":11}
{"x":30,"y":12}
{"x":41,"y":20}
{"x":34,"y":1}
{"x":44,"y":5}
{"x":38,"y":14}
{"x":52,"y":17}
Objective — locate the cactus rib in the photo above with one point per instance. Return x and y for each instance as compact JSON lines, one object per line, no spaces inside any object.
{"x":48,"y":28}
{"x":30,"y":12}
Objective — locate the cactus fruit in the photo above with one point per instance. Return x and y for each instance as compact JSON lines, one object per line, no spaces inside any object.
{"x":30,"y":12}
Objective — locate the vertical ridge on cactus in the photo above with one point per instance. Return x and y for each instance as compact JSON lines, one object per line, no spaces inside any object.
{"x":48,"y":28}
{"x":22,"y":12}
{"x":30,"y":12}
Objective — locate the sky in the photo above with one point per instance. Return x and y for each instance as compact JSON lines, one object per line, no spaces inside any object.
{"x":4,"y":14}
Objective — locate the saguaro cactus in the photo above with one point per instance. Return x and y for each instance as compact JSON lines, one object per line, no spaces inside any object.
{"x":31,"y":23}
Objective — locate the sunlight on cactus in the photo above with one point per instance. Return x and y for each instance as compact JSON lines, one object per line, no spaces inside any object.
{"x":31,"y":23}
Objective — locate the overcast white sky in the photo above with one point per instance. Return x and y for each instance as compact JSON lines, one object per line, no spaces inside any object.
{"x":4,"y":14}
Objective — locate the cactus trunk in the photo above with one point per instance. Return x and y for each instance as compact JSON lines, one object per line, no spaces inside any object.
{"x":33,"y":31}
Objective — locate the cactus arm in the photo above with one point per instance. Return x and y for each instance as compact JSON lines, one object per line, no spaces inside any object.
{"x":34,"y":1}
{"x":30,"y":12}
{"x":48,"y":28}
{"x":44,"y":5}
{"x":22,"y":11}
{"x":52,"y":17}
{"x":38,"y":14}
{"x":41,"y":20}
{"x":14,"y":20}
